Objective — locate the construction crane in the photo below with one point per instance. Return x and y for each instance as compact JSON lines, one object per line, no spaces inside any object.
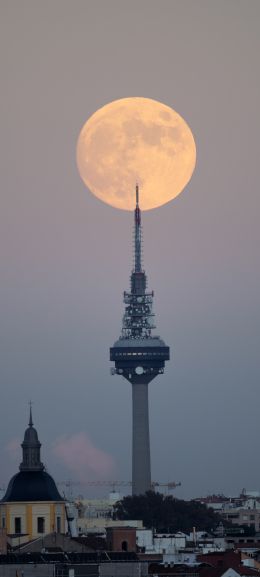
{"x":171,"y":485}
{"x":113,"y":484}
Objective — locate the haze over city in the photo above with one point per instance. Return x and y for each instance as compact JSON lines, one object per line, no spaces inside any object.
{"x":66,"y":257}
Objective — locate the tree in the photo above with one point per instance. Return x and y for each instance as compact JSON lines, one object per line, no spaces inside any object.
{"x":166,"y":514}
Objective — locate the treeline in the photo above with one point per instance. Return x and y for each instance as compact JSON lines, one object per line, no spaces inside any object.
{"x":166,"y":514}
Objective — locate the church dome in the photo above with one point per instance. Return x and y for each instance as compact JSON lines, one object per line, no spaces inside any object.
{"x":32,"y":483}
{"x":32,"y":486}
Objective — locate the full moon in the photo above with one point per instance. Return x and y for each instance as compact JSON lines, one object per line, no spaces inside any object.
{"x":136,"y":140}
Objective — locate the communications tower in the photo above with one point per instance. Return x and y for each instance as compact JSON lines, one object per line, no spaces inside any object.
{"x":139,"y":357}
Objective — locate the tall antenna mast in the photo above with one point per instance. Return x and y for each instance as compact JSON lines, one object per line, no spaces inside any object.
{"x":139,"y":357}
{"x":138,"y":234}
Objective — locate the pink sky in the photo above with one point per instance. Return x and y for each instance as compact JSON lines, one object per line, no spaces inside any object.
{"x":82,"y":458}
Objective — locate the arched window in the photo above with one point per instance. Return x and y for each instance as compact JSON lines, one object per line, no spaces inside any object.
{"x":124,"y":546}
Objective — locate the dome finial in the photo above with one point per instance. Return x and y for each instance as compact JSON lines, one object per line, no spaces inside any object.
{"x":30,"y":418}
{"x":31,"y":448}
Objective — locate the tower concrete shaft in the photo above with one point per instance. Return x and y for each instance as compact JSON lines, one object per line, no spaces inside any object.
{"x":141,"y":460}
{"x":139,"y":357}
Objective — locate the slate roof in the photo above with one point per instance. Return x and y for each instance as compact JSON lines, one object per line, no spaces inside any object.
{"x":28,"y":486}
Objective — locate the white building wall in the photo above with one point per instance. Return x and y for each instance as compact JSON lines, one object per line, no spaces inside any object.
{"x":169,"y":544}
{"x":85,"y":525}
{"x":144,"y":538}
{"x":180,"y":557}
{"x":160,"y":543}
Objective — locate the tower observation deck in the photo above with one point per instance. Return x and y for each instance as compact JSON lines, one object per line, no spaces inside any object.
{"x":139,"y":357}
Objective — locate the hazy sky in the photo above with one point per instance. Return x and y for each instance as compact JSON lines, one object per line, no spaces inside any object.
{"x":66,"y":257}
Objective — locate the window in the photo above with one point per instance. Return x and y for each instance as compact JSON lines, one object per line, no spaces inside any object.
{"x":124,"y":546}
{"x":58,"y":524}
{"x":17,"y":524}
{"x":40,"y":524}
{"x":3,"y":522}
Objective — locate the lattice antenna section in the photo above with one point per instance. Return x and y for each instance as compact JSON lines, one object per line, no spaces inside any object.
{"x":138,"y":317}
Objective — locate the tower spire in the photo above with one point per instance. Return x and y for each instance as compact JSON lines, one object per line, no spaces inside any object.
{"x":31,"y":447}
{"x":30,"y":416}
{"x":138,"y":317}
{"x":138,"y":233}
